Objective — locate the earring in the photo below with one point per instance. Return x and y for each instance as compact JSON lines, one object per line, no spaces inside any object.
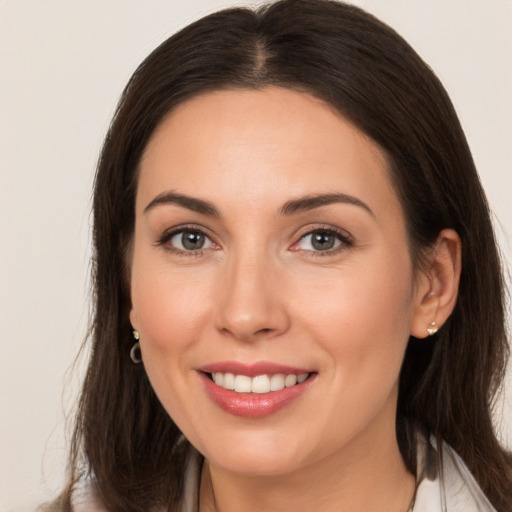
{"x":432,"y":328}
{"x":135,"y":354}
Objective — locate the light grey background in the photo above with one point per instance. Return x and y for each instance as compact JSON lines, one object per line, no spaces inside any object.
{"x":63,"y":65}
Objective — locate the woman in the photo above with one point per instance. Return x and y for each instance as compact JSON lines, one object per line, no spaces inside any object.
{"x":288,"y":219}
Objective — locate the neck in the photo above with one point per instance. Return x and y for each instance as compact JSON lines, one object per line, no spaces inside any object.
{"x":368,"y":474}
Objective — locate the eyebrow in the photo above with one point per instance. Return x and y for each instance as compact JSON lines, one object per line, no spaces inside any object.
{"x":307,"y":203}
{"x":292,"y":207}
{"x":191,"y":203}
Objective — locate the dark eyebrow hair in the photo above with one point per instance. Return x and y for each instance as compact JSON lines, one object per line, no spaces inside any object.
{"x":292,"y":207}
{"x":303,"y":204}
{"x":191,"y":203}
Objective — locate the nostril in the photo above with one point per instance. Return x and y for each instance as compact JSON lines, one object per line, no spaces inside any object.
{"x":264,"y":331}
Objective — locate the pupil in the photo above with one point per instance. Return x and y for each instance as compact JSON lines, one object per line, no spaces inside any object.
{"x":192,"y":241}
{"x":323,"y":241}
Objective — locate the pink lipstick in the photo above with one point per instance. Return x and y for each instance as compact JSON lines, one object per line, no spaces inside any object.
{"x":254,"y":390}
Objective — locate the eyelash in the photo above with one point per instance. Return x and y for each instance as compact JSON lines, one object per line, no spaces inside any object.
{"x":345,"y":239}
{"x":167,"y":236}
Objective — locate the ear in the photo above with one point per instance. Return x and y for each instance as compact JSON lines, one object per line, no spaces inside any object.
{"x":437,"y":285}
{"x":133,"y":319}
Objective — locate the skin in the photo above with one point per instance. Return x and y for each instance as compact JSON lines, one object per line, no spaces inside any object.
{"x":259,"y":291}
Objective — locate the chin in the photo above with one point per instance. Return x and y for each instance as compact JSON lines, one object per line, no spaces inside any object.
{"x":257,"y":456}
{"x":256,"y":465}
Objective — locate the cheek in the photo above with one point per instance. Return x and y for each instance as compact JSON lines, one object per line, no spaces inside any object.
{"x":169,"y":311}
{"x":362,"y":319}
{"x":169,"y":306}
{"x":363,"y":329}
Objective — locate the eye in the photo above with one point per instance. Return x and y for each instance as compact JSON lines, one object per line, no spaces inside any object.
{"x":190,"y":240}
{"x":186,"y":241}
{"x":322,"y":240}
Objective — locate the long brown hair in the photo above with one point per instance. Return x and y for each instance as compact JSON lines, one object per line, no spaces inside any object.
{"x":337,"y":52}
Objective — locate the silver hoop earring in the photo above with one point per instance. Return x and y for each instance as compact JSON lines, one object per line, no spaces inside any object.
{"x":135,"y":353}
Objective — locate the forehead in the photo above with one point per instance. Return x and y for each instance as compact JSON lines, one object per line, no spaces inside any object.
{"x":250,"y":145}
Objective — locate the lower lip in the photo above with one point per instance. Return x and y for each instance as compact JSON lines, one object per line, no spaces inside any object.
{"x":253,"y":405}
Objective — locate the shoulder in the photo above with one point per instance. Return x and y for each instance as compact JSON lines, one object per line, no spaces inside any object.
{"x":445,"y":484}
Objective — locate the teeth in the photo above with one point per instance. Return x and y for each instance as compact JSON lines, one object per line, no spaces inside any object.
{"x":277,"y":382}
{"x":228,"y":381}
{"x":218,"y":378}
{"x":259,"y":384}
{"x":242,"y":384}
{"x":290,"y":380}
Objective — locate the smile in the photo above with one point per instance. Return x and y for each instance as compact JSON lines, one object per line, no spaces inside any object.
{"x":255,"y":390}
{"x":260,"y":384}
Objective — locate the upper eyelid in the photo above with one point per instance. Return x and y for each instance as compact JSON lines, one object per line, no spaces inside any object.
{"x":186,"y":227}
{"x":167,"y":234}
{"x":343,"y":233}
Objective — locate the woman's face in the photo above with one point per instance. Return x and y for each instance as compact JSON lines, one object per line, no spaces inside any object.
{"x":270,"y":247}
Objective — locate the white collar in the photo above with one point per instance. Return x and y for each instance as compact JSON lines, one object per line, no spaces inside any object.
{"x":446,"y":486}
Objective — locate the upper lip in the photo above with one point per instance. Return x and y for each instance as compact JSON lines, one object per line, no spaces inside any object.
{"x":252,"y":369}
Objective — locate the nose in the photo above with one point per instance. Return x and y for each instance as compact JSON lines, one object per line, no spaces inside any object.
{"x":252,"y":301}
